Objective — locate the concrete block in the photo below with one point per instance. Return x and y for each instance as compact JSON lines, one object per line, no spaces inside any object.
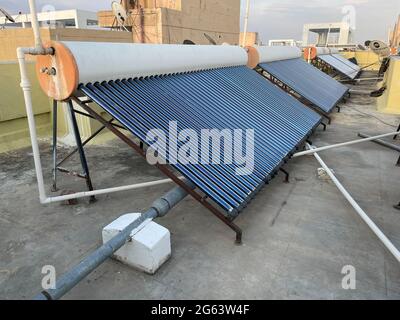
{"x":149,"y":248}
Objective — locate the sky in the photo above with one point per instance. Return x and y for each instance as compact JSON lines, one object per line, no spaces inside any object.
{"x":277,"y":19}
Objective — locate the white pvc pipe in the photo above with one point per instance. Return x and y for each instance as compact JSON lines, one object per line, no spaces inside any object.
{"x":106,"y":191}
{"x":312,"y":151}
{"x":246,"y":23}
{"x":35,"y":24}
{"x":367,"y":79}
{"x":388,"y":244}
{"x":26,"y":87}
{"x":309,"y":54}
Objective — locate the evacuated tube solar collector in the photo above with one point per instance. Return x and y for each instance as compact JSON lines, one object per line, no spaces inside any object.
{"x":286,"y":65}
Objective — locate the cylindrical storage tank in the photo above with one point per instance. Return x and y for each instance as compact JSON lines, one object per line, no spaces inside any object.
{"x":75,"y":63}
{"x":266,"y":54}
{"x":310,"y":53}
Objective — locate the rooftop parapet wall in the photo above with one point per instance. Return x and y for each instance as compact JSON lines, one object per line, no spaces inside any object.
{"x":11,"y":39}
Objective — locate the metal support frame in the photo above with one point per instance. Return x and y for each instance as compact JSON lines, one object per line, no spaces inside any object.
{"x":57,"y":165}
{"x":164,"y":169}
{"x":287,"y":175}
{"x":290,"y":91}
{"x":396,"y":136}
{"x":82,"y":154}
{"x":79,"y":148}
{"x":55,"y":122}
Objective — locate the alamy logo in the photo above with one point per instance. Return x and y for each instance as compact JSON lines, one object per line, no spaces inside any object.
{"x":349,"y":280}
{"x":49,"y":279}
{"x":207,"y":147}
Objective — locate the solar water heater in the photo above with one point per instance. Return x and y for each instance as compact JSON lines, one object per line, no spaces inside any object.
{"x":285,"y":66}
{"x":196,"y":87}
{"x":335,"y":61}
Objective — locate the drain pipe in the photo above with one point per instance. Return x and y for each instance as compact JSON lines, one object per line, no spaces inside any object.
{"x":26,"y":88}
{"x":158,"y":209}
{"x":387,"y":243}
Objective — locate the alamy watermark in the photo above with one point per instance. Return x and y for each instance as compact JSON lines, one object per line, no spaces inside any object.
{"x":349,"y":281}
{"x":205,"y":146}
{"x":49,"y":279}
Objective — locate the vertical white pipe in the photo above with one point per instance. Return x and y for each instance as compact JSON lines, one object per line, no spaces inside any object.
{"x":26,"y":87}
{"x":246,"y":23}
{"x":388,"y":244}
{"x":35,"y":24}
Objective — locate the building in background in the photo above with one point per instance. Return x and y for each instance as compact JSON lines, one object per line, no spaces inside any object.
{"x":79,"y":19}
{"x":176,"y":21}
{"x":329,"y":34}
{"x":284,"y":42}
{"x":394,"y":35}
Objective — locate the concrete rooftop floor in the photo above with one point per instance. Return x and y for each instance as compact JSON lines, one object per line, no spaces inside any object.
{"x":297,"y":236}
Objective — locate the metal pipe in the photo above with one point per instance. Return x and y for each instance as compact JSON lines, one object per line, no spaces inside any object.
{"x":68,"y":281}
{"x":55,"y":109}
{"x":304,"y":153}
{"x":362,"y":79}
{"x":246,"y":23}
{"x":382,"y":143}
{"x":388,"y":244}
{"x":79,"y":145}
{"x":359,"y":91}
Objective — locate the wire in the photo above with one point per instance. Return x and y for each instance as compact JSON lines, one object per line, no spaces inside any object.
{"x":375,"y":117}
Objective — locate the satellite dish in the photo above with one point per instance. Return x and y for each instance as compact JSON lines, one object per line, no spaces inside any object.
{"x":380,"y":48}
{"x":188,"y":42}
{"x":8,"y":16}
{"x":120,"y":13}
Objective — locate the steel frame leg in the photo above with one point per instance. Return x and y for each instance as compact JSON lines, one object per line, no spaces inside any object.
{"x":55,"y":109}
{"x":395,"y":137}
{"x":287,"y":175}
{"x":81,"y":151}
